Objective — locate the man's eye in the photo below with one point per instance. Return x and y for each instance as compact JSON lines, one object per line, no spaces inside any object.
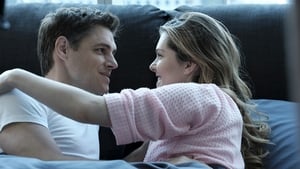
{"x":99,"y":50}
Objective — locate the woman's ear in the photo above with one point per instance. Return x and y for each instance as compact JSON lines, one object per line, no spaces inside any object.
{"x":60,"y":48}
{"x":190,"y":68}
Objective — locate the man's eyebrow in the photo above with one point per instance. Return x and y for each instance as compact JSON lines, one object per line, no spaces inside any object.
{"x":103,"y":44}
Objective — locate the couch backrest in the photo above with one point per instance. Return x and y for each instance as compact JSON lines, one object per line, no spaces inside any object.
{"x":136,"y":40}
{"x":259,"y":28}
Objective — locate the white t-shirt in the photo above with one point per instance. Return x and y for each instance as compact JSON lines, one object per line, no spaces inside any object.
{"x":72,"y":137}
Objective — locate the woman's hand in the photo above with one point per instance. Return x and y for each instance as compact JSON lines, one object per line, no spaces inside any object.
{"x":138,"y":154}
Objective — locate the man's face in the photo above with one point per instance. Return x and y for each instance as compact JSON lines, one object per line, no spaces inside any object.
{"x":89,"y":67}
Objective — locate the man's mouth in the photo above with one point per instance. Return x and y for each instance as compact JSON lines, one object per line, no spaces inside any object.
{"x":106,"y":76}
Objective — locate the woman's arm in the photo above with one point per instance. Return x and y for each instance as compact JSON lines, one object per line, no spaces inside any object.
{"x":67,"y":100}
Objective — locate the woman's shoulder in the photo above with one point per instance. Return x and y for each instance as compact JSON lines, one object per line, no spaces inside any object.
{"x":190,"y":86}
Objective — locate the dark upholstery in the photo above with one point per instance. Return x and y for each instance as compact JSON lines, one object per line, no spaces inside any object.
{"x":284,"y":121}
{"x":259,"y":30}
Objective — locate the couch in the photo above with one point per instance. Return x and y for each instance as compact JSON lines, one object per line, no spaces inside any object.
{"x":260,"y":33}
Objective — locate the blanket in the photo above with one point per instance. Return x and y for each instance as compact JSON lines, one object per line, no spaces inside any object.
{"x":16,"y":162}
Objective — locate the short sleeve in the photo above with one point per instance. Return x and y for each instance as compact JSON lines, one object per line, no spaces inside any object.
{"x":16,"y":106}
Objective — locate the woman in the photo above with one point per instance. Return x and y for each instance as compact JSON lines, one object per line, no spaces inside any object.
{"x":199,"y":110}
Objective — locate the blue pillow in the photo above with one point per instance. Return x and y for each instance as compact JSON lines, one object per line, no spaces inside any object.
{"x":284,"y":120}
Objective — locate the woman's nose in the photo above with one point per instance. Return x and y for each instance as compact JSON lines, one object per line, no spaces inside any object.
{"x":152,"y":66}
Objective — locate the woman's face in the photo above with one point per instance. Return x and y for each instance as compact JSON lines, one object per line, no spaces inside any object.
{"x":167,"y":68}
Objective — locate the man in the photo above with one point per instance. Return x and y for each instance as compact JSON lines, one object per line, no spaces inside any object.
{"x":75,"y":46}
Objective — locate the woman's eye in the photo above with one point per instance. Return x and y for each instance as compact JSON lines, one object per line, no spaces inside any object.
{"x":159,"y":56}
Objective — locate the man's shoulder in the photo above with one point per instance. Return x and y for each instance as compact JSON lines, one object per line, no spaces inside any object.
{"x":15,"y":96}
{"x":16,"y":106}
{"x":16,"y":100}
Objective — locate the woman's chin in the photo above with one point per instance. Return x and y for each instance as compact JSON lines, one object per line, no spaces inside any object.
{"x":158,"y":83}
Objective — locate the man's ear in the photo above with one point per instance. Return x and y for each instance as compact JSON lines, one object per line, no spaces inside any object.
{"x":190,"y":68}
{"x":61,"y":46}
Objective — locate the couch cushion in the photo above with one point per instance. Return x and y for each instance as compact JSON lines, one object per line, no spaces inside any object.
{"x":284,"y":121}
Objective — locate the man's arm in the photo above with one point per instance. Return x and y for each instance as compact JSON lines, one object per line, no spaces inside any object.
{"x":23,"y":130}
{"x":31,"y":140}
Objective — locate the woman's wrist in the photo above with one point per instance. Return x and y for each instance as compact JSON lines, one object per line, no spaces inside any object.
{"x":14,"y":77}
{"x":7,"y":81}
